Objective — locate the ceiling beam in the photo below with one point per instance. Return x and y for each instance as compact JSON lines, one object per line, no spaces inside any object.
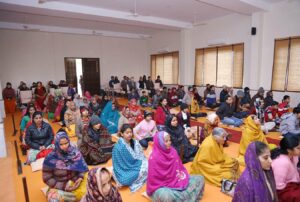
{"x":94,"y":13}
{"x":258,"y":4}
{"x":56,"y":29}
{"x":238,"y":6}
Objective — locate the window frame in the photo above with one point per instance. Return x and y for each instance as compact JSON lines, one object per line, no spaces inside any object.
{"x":217,"y":68}
{"x":287,"y":63}
{"x":165,"y":54}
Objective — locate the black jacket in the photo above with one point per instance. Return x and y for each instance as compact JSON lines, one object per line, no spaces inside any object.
{"x":225,"y":110}
{"x":35,"y":138}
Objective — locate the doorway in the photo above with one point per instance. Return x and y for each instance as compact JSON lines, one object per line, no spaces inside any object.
{"x":84,"y":74}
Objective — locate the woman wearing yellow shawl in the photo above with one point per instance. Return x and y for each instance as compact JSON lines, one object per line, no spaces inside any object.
{"x":212,"y":162}
{"x":251,"y":133}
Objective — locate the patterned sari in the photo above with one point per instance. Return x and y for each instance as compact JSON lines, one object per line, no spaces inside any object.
{"x":130,"y":166}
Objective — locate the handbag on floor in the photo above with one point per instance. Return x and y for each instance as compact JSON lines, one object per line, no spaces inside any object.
{"x":228,"y":187}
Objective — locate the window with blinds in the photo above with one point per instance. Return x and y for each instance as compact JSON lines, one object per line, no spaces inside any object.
{"x":220,"y":66}
{"x":286,"y":65}
{"x":166,"y":66}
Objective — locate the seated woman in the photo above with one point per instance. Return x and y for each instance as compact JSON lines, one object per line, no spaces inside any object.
{"x":168,"y":180}
{"x":145,"y":130}
{"x":135,"y":110}
{"x":161,"y":113}
{"x":257,"y":181}
{"x":284,"y":165}
{"x":126,"y":117}
{"x":251,"y":133}
{"x":96,"y":145}
{"x":99,"y":187}
{"x":184,"y":116}
{"x":94,"y":107}
{"x":50,"y":106}
{"x":110,"y":117}
{"x":179,"y":139}
{"x":195,"y":109}
{"x":212,"y":162}
{"x":184,"y":120}
{"x":82,"y":124}
{"x":64,"y":171}
{"x":130,"y":166}
{"x":173,"y":98}
{"x":40,"y":94}
{"x":27,"y":118}
{"x":212,"y":121}
{"x":39,"y":137}
{"x":71,"y":116}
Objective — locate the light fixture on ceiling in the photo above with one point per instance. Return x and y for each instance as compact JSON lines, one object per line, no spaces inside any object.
{"x":45,"y":1}
{"x":97,"y":33}
{"x":30,"y":29}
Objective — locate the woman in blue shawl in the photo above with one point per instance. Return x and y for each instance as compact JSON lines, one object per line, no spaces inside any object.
{"x":257,"y":182}
{"x":130,"y":166}
{"x":64,"y":171}
{"x":110,"y":117}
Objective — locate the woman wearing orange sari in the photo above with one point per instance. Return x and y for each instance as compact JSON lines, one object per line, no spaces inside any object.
{"x":212,"y":162}
{"x":251,"y":133}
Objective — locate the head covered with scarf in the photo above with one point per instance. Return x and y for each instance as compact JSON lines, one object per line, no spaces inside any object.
{"x":252,"y":184}
{"x":95,"y":188}
{"x":65,"y":160}
{"x":165,"y":167}
{"x":94,"y":134}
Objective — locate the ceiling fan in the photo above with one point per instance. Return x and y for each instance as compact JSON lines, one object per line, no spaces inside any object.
{"x":134,"y":13}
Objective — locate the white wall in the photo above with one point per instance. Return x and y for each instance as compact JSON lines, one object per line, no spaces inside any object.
{"x":164,"y":40}
{"x":32,"y":56}
{"x":281,"y":21}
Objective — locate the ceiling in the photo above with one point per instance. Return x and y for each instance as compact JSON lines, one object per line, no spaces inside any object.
{"x":131,"y":18}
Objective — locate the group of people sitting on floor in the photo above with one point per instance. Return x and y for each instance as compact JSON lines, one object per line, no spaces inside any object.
{"x":65,"y":168}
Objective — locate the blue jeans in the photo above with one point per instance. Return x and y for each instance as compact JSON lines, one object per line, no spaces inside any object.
{"x":291,"y":134}
{"x":232,"y":121}
{"x":144,"y":142}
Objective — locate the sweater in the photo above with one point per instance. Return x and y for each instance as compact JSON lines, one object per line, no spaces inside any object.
{"x":225,"y":110}
{"x":145,"y":129}
{"x":289,"y":124}
{"x":285,"y":171}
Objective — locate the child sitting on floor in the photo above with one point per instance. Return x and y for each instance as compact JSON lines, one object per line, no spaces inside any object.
{"x":144,"y":100}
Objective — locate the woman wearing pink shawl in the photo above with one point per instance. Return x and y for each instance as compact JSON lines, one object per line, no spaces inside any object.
{"x":88,"y":95}
{"x":168,"y":180}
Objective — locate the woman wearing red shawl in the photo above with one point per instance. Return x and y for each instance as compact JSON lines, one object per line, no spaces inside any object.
{"x":168,"y":180}
{"x":161,"y":114}
{"x":9,"y":97}
{"x":257,"y":182}
{"x":40,"y":95}
{"x":99,"y":187}
{"x":135,"y":110}
{"x":173,"y":98}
